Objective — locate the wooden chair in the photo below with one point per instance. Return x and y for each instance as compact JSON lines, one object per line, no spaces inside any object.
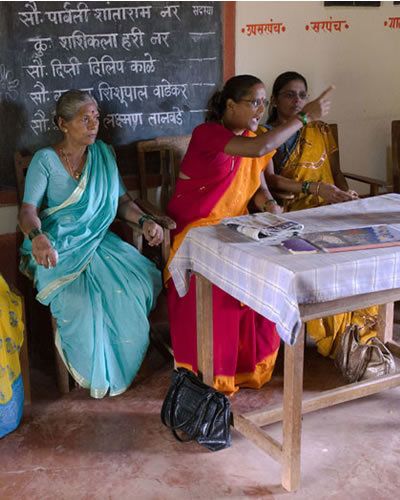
{"x":135,"y":237}
{"x":158,"y":164}
{"x":375,"y":185}
{"x":396,"y":189}
{"x":396,"y":155}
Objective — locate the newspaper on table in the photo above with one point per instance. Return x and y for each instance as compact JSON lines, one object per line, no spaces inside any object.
{"x":265,"y":226}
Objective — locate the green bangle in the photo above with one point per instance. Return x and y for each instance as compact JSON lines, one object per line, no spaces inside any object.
{"x":35,"y":232}
{"x":302,"y":117}
{"x":143,"y":218}
{"x":270,"y":200}
{"x":305,"y":187}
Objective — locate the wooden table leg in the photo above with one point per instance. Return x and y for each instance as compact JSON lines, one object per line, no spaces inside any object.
{"x":205,"y":357}
{"x":292,"y":402}
{"x":385,"y":322}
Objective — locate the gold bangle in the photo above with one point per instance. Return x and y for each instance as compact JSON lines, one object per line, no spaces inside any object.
{"x":317,"y":189}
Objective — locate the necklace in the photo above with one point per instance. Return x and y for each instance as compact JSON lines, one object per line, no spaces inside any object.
{"x":73,"y":172}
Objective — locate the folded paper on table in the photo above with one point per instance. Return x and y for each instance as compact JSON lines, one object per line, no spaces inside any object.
{"x":264,"y":226}
{"x":361,"y":238}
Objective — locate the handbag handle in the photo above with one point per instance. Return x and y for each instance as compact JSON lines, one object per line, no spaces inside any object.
{"x":174,"y":392}
{"x":203,"y":403}
{"x":199,"y":420}
{"x":354,"y":338}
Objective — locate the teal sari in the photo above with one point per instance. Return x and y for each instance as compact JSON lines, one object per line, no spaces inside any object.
{"x":102,"y":289}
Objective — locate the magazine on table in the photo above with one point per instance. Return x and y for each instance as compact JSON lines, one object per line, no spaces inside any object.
{"x":299,"y":246}
{"x":264,"y":226}
{"x":362,"y":238}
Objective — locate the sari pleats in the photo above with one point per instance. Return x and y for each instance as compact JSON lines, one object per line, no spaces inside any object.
{"x":104,"y":330}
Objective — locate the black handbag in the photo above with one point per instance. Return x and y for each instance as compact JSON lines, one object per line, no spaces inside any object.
{"x":199,"y":411}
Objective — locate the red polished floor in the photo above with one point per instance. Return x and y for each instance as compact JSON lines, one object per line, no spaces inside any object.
{"x":75,"y":447}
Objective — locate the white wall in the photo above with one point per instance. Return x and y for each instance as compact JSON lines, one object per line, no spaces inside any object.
{"x":362,"y":61}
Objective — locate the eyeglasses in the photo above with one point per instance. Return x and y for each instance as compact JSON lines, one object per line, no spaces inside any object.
{"x":256,"y":103}
{"x":290,"y":94}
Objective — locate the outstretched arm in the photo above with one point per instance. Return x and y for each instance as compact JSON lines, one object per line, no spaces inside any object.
{"x":254,"y":147}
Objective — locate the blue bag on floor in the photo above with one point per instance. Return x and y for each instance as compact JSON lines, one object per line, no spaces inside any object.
{"x":11,"y":412}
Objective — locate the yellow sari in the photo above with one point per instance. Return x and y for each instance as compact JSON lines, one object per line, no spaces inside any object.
{"x":308,"y":160}
{"x":11,"y":338}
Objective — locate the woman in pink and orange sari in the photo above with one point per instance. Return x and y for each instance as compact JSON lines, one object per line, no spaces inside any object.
{"x":221,"y":172}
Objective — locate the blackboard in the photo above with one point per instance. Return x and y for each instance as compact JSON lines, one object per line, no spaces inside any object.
{"x":151,"y":66}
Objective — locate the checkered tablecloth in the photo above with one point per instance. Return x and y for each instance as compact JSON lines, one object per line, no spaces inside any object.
{"x":273,"y":282}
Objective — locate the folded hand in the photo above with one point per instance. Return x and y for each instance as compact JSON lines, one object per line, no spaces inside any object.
{"x":43,"y":252}
{"x":332,"y":194}
{"x":153,"y":233}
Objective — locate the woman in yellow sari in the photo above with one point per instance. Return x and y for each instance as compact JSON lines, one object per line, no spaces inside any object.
{"x":307,"y":165}
{"x":11,"y":338}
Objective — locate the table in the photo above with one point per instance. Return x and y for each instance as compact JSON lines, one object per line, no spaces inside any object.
{"x":290,"y":290}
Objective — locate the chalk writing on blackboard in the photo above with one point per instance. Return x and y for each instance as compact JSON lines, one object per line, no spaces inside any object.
{"x":151,"y":65}
{"x":8,"y":84}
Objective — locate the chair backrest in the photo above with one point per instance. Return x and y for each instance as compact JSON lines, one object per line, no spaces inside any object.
{"x":375,"y":185}
{"x":396,"y":155}
{"x":335,"y":133}
{"x":21,"y":163}
{"x":158,"y":162}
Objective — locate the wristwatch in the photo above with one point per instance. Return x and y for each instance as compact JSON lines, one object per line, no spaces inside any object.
{"x":35,"y":232}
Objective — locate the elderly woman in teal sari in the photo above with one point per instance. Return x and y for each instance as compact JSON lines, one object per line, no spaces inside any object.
{"x":100,"y":289}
